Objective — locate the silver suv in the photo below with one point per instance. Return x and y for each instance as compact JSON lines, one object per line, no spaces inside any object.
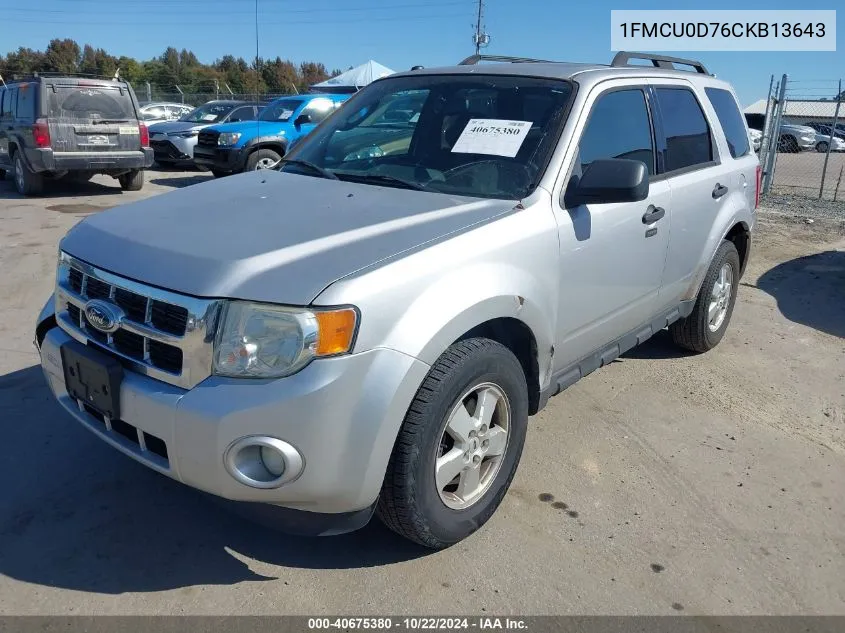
{"x":368,"y":328}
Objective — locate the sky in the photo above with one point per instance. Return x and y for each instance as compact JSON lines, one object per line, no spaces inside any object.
{"x":396,"y":33}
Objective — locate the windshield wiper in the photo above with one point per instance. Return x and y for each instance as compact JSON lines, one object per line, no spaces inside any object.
{"x":325,"y":173}
{"x":385,"y":179}
{"x":106,"y":121}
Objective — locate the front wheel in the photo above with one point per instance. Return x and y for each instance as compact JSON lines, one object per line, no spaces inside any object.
{"x":821,"y":147}
{"x":132,"y":181}
{"x":262,"y":159}
{"x":459,"y":445}
{"x":702,"y":330}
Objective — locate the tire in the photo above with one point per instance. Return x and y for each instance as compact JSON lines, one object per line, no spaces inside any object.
{"x":132,"y":181}
{"x":2,"y":174}
{"x":219,"y":173}
{"x":788,"y":144}
{"x":698,"y":332}
{"x":821,"y":147}
{"x":261,"y":157}
{"x":411,"y":502}
{"x":28,"y":183}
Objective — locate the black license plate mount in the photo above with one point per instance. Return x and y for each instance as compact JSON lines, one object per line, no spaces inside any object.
{"x":93,"y":377}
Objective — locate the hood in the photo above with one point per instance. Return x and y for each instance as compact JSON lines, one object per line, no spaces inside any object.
{"x":267,"y":235}
{"x":169,"y":127}
{"x":803,"y":129}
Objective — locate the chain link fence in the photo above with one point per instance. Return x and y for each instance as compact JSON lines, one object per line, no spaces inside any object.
{"x":801,"y":131}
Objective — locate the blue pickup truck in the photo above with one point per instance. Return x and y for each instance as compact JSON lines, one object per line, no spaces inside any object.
{"x":250,"y":145}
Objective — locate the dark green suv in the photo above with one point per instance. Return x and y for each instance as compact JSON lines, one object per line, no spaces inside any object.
{"x":71,"y":127}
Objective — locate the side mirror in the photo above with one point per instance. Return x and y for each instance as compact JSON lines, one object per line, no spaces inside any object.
{"x":608,"y":180}
{"x":302,"y":119}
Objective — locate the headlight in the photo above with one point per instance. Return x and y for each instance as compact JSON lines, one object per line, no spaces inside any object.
{"x":188,"y":134}
{"x":362,"y":154}
{"x":259,"y":340}
{"x":228,"y":138}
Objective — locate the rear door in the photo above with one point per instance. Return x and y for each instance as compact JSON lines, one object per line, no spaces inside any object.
{"x":90,"y":117}
{"x":700,"y":180}
{"x":5,"y":126}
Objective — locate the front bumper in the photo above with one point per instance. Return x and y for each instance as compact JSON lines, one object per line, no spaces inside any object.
{"x":48,"y":160}
{"x":806,"y":142}
{"x":222,"y":158}
{"x":173,"y":148}
{"x":341,"y":414}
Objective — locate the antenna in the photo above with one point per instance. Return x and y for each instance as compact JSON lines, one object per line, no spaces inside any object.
{"x":480,"y":38}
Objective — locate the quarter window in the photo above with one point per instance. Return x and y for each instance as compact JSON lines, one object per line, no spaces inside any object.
{"x":618,"y":128}
{"x":688,"y":141}
{"x":731,"y":120}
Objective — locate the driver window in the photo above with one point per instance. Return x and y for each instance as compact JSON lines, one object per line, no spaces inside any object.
{"x":618,"y":127}
{"x":318,"y":109}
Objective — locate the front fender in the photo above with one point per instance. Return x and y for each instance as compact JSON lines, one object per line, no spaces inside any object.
{"x":267,"y":139}
{"x":734,"y":212}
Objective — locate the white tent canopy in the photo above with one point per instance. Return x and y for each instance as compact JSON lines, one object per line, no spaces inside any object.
{"x":355,"y":78}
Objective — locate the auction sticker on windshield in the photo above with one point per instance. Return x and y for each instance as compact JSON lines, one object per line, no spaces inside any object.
{"x":497,"y":137}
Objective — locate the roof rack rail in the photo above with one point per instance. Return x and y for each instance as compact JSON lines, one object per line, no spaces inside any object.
{"x":49,"y":74}
{"x":474,"y":59}
{"x":660,"y":61}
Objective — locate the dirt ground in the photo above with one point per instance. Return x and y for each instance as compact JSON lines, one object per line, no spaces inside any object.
{"x":662,"y":484}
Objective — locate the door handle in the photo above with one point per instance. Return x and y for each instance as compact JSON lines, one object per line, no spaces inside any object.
{"x":719,"y":190}
{"x":653,"y":214}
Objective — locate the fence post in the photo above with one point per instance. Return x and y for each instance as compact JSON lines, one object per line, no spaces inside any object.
{"x":831,"y":137}
{"x":772,"y":155}
{"x":763,"y":144}
{"x":149,"y":92}
{"x":181,"y":94}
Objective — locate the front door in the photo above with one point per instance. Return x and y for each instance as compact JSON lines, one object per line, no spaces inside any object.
{"x":612,"y":255}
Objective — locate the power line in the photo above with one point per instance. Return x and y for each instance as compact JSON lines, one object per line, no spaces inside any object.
{"x":228,"y":21}
{"x":450,"y":3}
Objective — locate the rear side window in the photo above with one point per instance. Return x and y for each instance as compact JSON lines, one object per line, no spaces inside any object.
{"x":26,"y":101}
{"x":730,"y":119}
{"x":688,"y":141}
{"x":3,"y":98}
{"x":618,"y":128}
{"x":92,"y":103}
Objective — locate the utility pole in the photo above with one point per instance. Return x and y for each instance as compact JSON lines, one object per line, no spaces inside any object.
{"x":480,"y":38}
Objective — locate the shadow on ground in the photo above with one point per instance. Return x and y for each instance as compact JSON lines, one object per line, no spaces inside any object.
{"x":184,"y":181}
{"x":77,"y":514}
{"x":658,"y":347}
{"x":60,"y":188}
{"x":810,"y":290}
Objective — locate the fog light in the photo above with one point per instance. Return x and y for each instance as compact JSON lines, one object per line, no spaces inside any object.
{"x":273,"y":460}
{"x":263,"y":462}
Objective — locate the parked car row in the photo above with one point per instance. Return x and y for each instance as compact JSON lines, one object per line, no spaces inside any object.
{"x":798,"y":138}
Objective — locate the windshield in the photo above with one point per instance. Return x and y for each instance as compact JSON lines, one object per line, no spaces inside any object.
{"x":280,"y":110}
{"x":208,"y":113}
{"x":473,"y":135}
{"x":94,"y":102}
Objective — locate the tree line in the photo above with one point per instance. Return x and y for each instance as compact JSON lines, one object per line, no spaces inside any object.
{"x":171,"y":68}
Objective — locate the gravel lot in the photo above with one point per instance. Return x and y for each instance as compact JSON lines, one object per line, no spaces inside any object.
{"x":663,"y":483}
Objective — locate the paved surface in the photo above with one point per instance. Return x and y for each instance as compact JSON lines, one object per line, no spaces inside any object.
{"x":801,"y":174}
{"x":661,"y":484}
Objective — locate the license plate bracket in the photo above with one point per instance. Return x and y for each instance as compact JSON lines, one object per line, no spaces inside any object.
{"x":92,"y":377}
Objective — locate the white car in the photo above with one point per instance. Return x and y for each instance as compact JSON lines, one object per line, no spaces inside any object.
{"x":756,"y":138}
{"x":158,"y":112}
{"x":823,"y":140}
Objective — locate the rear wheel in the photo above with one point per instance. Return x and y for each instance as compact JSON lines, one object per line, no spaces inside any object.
{"x":702,"y":330}
{"x":132,"y":181}
{"x":821,"y":147}
{"x":27,"y":182}
{"x":459,"y":445}
{"x":262,"y":159}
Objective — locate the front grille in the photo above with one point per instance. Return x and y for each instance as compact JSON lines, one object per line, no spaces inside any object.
{"x":160,"y":333}
{"x":208,"y":138}
{"x":167,"y":150}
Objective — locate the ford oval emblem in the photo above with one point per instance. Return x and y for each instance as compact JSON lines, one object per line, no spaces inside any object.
{"x":102,"y":315}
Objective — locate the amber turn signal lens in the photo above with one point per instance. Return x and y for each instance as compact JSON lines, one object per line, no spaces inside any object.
{"x":337,"y":328}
